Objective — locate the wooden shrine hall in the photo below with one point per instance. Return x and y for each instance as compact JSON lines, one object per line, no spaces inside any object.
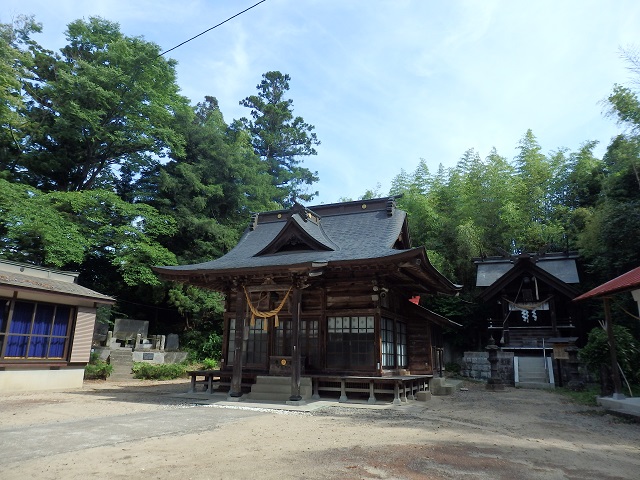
{"x":329,"y":294}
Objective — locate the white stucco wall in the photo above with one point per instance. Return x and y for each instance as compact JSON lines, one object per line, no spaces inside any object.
{"x":23,"y":380}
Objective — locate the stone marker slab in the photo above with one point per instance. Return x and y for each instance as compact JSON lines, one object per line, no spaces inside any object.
{"x":173,"y":342}
{"x":125,"y":328}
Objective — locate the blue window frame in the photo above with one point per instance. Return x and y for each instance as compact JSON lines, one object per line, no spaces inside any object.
{"x":35,"y":331}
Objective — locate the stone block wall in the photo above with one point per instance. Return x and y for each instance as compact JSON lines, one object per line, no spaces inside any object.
{"x":159,"y":357}
{"x":476,"y":365}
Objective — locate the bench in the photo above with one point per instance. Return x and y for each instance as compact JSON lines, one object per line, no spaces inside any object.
{"x":206,"y":378}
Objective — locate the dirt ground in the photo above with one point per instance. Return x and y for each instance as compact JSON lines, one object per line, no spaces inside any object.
{"x":149,"y":430}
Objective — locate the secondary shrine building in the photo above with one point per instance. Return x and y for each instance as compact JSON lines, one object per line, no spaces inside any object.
{"x":328,"y":290}
{"x":46,"y":327}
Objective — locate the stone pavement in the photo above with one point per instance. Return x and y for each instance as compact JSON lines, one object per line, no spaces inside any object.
{"x":19,"y":443}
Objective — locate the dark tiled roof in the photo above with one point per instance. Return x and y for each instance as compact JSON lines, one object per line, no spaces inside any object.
{"x":560,"y":265}
{"x":20,"y":280}
{"x":525,"y":264}
{"x":357,"y":235}
{"x":623,"y":283}
{"x":361,"y":232}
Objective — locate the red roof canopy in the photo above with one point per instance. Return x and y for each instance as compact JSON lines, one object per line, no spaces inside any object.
{"x":623,"y":283}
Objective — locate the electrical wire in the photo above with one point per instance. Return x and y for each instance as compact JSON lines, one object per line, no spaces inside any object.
{"x":215,"y":26}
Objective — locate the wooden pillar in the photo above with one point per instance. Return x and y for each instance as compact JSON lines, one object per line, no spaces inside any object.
{"x":343,"y":390}
{"x":296,"y":366}
{"x":396,"y":393}
{"x":235,"y":390}
{"x":372,"y":395}
{"x":377,"y":319}
{"x":615,"y":372}
{"x":554,"y":318}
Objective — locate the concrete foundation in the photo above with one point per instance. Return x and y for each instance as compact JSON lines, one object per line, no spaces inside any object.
{"x":423,"y":396}
{"x":627,"y":406}
{"x":39,"y":380}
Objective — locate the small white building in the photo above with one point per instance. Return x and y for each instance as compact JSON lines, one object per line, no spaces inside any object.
{"x":46,"y":328}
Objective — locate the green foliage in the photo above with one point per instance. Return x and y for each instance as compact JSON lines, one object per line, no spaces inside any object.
{"x":625,"y":106}
{"x":106,"y":101}
{"x":210,"y":364}
{"x":60,"y":228}
{"x":33,"y":230}
{"x":202,"y":345}
{"x":196,"y":304}
{"x":82,"y":184}
{"x":14,"y":64}
{"x":596,"y":352}
{"x":584,"y":397}
{"x":212,"y":189}
{"x":159,"y":371}
{"x":453,"y":368}
{"x":609,"y":228}
{"x":280,"y":139}
{"x":97,"y":369}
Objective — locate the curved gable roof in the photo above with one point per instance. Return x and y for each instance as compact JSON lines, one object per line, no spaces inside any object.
{"x":357,"y":232}
{"x":367,"y":231}
{"x":299,"y":233}
{"x":525,"y":264}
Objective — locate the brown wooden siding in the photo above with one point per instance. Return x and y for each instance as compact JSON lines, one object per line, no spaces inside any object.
{"x":353,"y":298}
{"x":419,"y":346}
{"x":83,"y":335}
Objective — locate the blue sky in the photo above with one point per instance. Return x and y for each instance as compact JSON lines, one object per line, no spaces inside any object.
{"x":387,"y":83}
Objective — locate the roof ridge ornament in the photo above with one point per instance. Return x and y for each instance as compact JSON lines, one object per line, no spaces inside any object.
{"x":391,"y":206}
{"x":254,"y":221}
{"x":305,"y":213}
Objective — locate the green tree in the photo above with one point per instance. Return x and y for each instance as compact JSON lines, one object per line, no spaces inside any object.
{"x":530,"y":214}
{"x":613,"y":222}
{"x":280,"y":139}
{"x":32,"y":230}
{"x":62,"y":229}
{"x":596,"y":352}
{"x":14,"y":67}
{"x":105,"y":102}
{"x":212,"y":188}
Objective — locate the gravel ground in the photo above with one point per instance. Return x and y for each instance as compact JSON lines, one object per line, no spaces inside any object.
{"x":148,"y":429}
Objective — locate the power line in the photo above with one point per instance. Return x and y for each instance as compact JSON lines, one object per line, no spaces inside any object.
{"x":215,"y":26}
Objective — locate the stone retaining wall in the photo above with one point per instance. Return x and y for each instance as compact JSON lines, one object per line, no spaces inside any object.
{"x":476,"y":365}
{"x":151,"y":356}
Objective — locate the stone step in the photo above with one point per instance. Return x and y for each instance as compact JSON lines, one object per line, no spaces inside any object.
{"x":280,"y":380}
{"x":538,"y":371}
{"x":266,"y":388}
{"x":531,"y":368}
{"x":278,"y":388}
{"x":535,"y":373}
{"x":538,"y":385}
{"x":121,"y":361}
{"x":120,"y":351}
{"x":121,"y":369}
{"x":532,"y":359}
{"x":443,"y":386}
{"x":456,"y":384}
{"x":273,"y":397}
